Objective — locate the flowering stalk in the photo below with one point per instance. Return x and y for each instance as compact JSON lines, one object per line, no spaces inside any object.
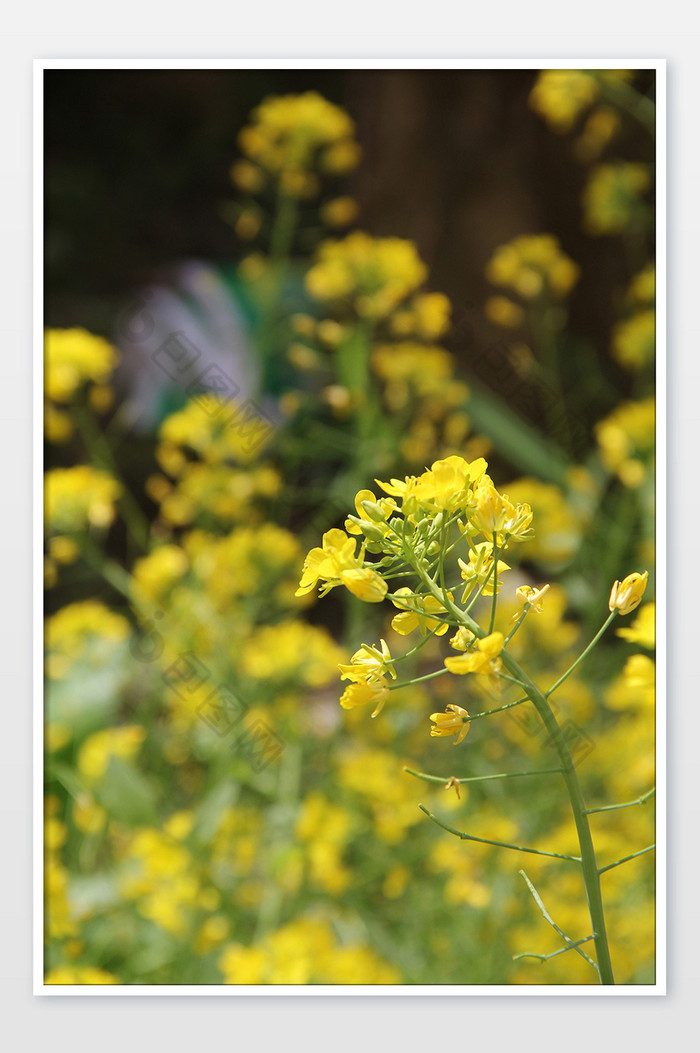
{"x":413,"y":538}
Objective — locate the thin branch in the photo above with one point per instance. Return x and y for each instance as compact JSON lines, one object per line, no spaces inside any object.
{"x":619,"y":862}
{"x":628,"y":804}
{"x":482,"y":778}
{"x":498,"y":844}
{"x":571,"y":945}
{"x":555,"y":954}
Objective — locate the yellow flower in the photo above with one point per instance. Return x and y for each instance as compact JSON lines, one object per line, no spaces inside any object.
{"x":156,"y":573}
{"x":339,"y":212}
{"x":560,"y":95}
{"x":290,"y":134}
{"x":364,"y":583}
{"x":75,"y":357}
{"x":374,"y":274}
{"x":95,"y":753}
{"x":78,"y":497}
{"x":626,"y":596}
{"x":326,"y":564}
{"x":484,"y":661}
{"x":454,"y":721}
{"x":79,"y":974}
{"x":361,"y":693}
{"x":626,"y":439}
{"x":420,"y":618}
{"x":369,"y":663}
{"x":502,"y":311}
{"x":634,"y":340}
{"x":529,"y":597}
{"x":479,"y":570}
{"x":643,"y":629}
{"x":531,"y":265}
{"x":612,"y":197}
{"x":635,"y":688}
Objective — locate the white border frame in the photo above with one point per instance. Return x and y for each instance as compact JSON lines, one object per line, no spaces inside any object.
{"x":659,"y":988}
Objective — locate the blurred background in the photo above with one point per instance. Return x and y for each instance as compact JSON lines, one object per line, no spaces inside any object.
{"x":522,"y":330}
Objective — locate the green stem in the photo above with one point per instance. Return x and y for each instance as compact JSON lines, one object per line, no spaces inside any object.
{"x":497,"y":844}
{"x":583,"y":654}
{"x":418,"y":680}
{"x":483,"y":778}
{"x":589,"y":865}
{"x":626,"y":859}
{"x":627,"y":804}
{"x":101,"y":455}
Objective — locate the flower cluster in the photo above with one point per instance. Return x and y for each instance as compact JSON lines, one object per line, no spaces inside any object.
{"x":533,"y":265}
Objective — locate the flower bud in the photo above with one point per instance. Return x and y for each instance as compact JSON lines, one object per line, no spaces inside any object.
{"x":626,"y":595}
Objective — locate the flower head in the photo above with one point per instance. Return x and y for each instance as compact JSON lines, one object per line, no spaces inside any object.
{"x":364,"y":691}
{"x":626,"y":595}
{"x":484,"y":660}
{"x":454,"y":721}
{"x":369,"y":663}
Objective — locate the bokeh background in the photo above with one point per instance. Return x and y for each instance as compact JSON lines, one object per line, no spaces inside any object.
{"x":170,"y":858}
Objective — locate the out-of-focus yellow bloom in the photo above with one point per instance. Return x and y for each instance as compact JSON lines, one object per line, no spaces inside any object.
{"x":612,"y":196}
{"x":291,"y":651}
{"x":373,"y":274}
{"x":330,"y":332}
{"x":340,"y":212}
{"x":78,"y":497}
{"x":643,"y":286}
{"x":454,"y":721}
{"x":247,"y":176}
{"x":602,"y":125}
{"x":156,"y":573}
{"x":88,"y":815}
{"x":363,"y":692}
{"x":411,"y":370}
{"x":243,"y":965}
{"x":213,"y":932}
{"x":635,"y":688}
{"x":79,"y":974}
{"x":625,"y":596}
{"x":217,"y":429}
{"x":642,"y":631}
{"x":484,"y":660}
{"x":559,"y":526}
{"x":634,"y":340}
{"x":58,"y":426}
{"x":396,"y":881}
{"x":560,"y":95}
{"x":626,"y":439}
{"x":291,"y":134}
{"x":74,"y":357}
{"x":427,"y":317}
{"x":502,"y":311}
{"x":70,"y":631}
{"x":95,"y":753}
{"x":421,"y":616}
{"x":63,"y":549}
{"x":533,"y":264}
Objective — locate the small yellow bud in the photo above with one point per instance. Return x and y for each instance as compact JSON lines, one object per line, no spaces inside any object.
{"x":626,"y":595}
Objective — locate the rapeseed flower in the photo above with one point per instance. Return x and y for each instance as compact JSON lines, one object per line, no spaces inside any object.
{"x":454,"y":721}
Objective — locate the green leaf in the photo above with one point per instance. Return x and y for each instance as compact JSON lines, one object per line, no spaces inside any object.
{"x":514,"y":438}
